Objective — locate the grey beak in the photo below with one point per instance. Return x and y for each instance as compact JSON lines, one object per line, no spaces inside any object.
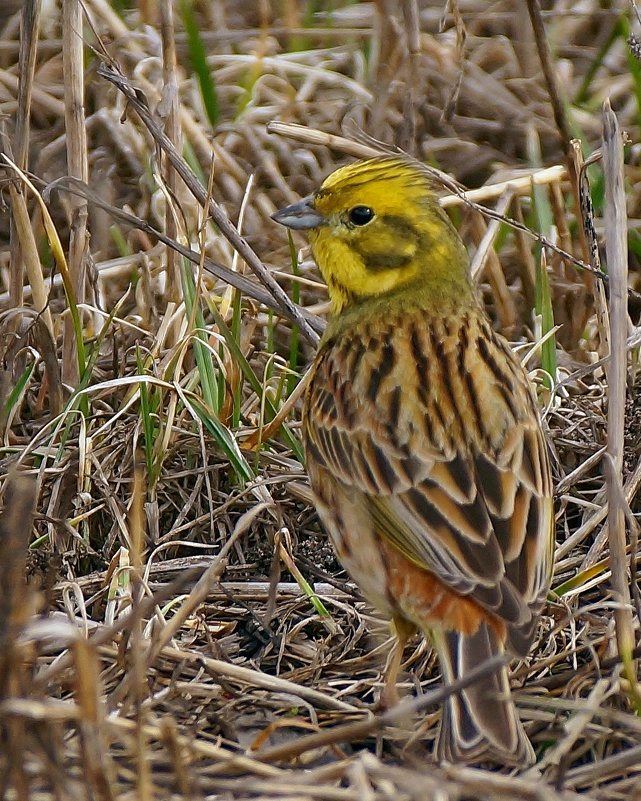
{"x":301,"y":216}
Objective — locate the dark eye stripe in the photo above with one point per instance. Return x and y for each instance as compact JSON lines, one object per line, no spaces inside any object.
{"x":377,"y":260}
{"x":401,"y":226}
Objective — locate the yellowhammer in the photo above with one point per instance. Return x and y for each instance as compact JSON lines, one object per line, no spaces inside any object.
{"x":423,"y":442}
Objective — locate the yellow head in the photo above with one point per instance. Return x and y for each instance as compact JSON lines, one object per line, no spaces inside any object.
{"x":375,"y":228}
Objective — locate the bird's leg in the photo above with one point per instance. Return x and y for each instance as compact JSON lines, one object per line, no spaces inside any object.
{"x":403,"y":630}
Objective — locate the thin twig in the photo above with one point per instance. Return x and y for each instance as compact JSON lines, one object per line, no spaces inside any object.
{"x":221,"y":272}
{"x":354,"y":731}
{"x":545,"y":56}
{"x":138,"y":102}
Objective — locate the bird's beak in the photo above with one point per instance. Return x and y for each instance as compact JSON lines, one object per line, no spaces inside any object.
{"x":301,"y":216}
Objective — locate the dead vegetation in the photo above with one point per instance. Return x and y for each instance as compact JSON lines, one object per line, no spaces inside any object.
{"x":185,"y":631}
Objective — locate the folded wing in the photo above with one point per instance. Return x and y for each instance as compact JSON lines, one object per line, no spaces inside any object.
{"x":438,"y":428}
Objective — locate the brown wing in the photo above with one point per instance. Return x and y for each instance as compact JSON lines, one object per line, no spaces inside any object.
{"x":437,"y":425}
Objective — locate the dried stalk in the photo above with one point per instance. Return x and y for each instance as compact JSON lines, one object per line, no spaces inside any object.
{"x":77,"y":167}
{"x":617,"y":256}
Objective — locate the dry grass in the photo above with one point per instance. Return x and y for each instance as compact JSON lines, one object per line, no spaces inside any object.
{"x":168,"y":643}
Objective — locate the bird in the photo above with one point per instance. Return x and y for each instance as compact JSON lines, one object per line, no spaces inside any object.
{"x":424,"y":444}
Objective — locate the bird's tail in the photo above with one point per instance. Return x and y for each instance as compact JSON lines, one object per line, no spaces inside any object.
{"x":480,"y":722}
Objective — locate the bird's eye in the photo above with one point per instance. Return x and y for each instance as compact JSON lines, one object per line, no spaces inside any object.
{"x":360,"y":215}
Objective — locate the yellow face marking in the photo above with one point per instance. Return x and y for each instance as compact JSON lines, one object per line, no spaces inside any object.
{"x":382,"y":229}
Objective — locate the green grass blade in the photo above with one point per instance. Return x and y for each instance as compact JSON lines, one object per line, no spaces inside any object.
{"x":223,"y":438}
{"x":17,"y":392}
{"x":235,"y":334}
{"x":198,"y":58}
{"x":291,"y":441}
{"x":209,"y":409}
{"x":206,"y":368}
{"x":618,"y":30}
{"x":543,"y":308}
{"x":79,"y":399}
{"x":148,"y":426}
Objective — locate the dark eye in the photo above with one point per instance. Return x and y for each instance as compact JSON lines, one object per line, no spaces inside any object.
{"x":360,"y":215}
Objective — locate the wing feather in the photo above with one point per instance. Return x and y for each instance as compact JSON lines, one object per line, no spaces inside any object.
{"x":454,"y":465}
